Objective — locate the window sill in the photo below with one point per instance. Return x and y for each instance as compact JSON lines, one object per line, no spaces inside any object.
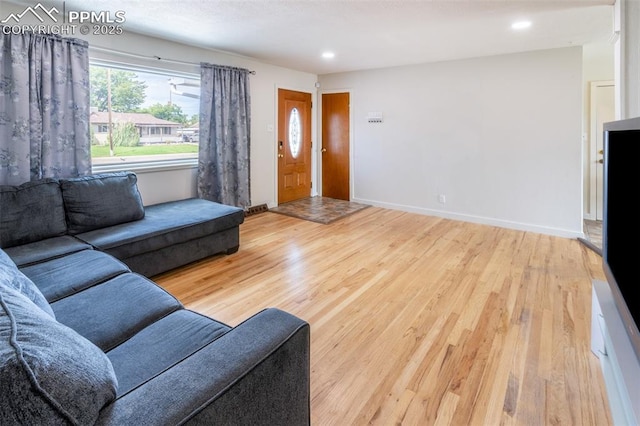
{"x":146,"y":166}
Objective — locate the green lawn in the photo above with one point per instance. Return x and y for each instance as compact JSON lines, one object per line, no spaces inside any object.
{"x":125,"y":151}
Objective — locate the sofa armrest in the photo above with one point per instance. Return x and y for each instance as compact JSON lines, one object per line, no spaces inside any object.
{"x":257,"y":374}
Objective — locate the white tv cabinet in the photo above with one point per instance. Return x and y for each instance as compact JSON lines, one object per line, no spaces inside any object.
{"x":620,"y":365}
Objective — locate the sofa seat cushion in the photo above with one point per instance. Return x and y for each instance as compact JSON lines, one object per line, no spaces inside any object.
{"x":101,"y":200}
{"x":49,"y":374}
{"x":112,"y":312}
{"x":12,"y":277}
{"x":31,"y":212}
{"x":165,"y":225}
{"x":39,"y":251}
{"x":160,"y":345}
{"x":63,"y":276}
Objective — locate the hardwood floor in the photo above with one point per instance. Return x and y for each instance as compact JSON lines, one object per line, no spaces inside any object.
{"x":418,"y":320}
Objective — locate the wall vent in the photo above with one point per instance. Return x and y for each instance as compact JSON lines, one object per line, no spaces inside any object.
{"x":261,"y":208}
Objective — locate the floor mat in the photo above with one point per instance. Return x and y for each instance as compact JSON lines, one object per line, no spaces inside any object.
{"x":319,"y":209}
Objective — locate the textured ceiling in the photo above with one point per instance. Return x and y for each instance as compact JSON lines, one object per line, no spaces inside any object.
{"x":364,"y":34}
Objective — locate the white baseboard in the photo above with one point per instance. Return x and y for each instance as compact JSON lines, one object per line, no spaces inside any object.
{"x":476,"y":219}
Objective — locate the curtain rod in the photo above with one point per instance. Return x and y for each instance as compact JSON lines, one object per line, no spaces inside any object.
{"x":153,"y":57}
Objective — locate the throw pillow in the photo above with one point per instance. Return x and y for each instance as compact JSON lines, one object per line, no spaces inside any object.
{"x":101,"y":200}
{"x":11,"y":276}
{"x":49,"y":374}
{"x":31,"y":212}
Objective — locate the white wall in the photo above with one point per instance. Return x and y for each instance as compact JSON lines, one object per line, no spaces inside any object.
{"x":629,"y":57}
{"x":499,"y":137}
{"x":158,"y":186}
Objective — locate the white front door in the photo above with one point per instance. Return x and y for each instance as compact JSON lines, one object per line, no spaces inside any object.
{"x":602,"y":111}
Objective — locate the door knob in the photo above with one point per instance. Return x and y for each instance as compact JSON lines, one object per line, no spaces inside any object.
{"x":280,"y":155}
{"x":601,"y":161}
{"x":323,"y":150}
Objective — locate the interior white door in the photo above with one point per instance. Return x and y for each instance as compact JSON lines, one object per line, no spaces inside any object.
{"x":603,"y":110}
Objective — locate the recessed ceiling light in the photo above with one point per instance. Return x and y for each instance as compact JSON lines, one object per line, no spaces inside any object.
{"x":328,"y":55}
{"x":521,"y":25}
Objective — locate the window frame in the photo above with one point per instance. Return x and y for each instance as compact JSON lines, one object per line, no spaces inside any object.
{"x":160,"y":164}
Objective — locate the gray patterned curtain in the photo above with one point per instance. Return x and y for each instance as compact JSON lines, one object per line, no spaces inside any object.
{"x":225,"y":122}
{"x":44,"y":107}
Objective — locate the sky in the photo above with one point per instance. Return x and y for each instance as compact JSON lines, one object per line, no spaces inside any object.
{"x":158,"y":91}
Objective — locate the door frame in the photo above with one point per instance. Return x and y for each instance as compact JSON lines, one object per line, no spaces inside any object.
{"x":590,"y":212}
{"x":314,"y":134}
{"x":320,"y":139}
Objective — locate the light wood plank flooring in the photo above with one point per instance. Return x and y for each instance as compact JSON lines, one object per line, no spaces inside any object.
{"x":418,"y":320}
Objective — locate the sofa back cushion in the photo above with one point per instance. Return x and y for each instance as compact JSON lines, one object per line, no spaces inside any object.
{"x":31,"y":212}
{"x":101,"y":200}
{"x":12,"y":277}
{"x":49,"y":374}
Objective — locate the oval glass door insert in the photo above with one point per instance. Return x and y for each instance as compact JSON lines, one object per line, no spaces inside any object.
{"x":295,"y":138}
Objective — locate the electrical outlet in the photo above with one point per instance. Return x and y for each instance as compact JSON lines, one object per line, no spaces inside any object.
{"x":442,"y":199}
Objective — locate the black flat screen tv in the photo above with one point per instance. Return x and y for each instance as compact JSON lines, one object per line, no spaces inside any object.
{"x":621,"y":225}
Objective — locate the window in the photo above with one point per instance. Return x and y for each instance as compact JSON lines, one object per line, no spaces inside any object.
{"x":142,"y":118}
{"x":295,"y":138}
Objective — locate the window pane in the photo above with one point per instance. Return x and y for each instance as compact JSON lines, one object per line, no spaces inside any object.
{"x":295,"y":137}
{"x":139,"y":116}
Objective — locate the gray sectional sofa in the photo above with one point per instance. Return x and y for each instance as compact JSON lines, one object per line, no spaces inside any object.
{"x":87,"y":338}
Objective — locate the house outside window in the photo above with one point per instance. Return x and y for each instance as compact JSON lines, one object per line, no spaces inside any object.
{"x":142,"y":118}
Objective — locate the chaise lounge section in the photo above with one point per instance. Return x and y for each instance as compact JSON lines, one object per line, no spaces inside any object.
{"x":106,"y":212}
